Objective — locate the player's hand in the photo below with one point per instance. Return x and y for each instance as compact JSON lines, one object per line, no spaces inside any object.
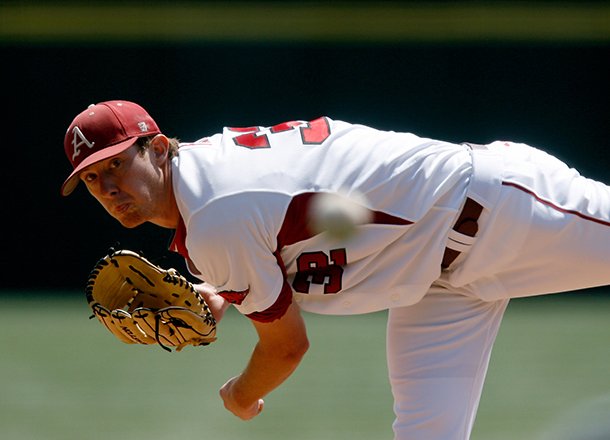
{"x":246,"y":412}
{"x":217,"y":304}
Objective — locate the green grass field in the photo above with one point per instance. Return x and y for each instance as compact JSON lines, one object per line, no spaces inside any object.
{"x":64,"y":377}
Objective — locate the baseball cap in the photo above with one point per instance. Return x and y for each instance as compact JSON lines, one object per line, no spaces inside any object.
{"x":102,"y":131}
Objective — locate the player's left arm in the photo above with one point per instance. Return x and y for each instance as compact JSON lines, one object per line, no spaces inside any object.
{"x":281,"y":346}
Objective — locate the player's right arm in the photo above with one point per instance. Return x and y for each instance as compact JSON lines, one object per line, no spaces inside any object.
{"x":281,"y":346}
{"x":232,"y":246}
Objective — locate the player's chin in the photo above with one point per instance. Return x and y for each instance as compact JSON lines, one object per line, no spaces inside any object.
{"x":130,"y":221}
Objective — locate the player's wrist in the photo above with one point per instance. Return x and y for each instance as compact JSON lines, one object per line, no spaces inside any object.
{"x":238,"y":401}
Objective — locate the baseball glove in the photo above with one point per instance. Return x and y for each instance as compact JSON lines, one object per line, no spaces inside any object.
{"x":141,"y":303}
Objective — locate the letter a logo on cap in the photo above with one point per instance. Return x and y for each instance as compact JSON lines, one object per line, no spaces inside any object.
{"x":78,"y":141}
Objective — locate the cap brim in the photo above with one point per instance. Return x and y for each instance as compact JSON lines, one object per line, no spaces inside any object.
{"x":73,"y":179}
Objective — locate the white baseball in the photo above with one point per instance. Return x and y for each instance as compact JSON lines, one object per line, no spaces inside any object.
{"x":338,"y":214}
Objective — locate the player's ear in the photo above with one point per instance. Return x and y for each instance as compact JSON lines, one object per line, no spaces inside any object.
{"x":159,"y":148}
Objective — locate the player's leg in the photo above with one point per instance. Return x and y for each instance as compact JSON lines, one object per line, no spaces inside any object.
{"x":438,"y":354}
{"x":567,"y":244}
{"x":549,"y":231}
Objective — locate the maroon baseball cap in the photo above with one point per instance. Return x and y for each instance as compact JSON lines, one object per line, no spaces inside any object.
{"x":101,"y":131}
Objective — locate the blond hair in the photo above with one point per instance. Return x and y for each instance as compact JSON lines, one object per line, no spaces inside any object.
{"x":174,"y":145}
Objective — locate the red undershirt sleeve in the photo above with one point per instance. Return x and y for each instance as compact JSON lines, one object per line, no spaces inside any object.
{"x":283,"y":301}
{"x":278,"y":308}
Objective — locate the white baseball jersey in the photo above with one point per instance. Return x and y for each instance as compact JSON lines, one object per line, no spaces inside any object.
{"x":244,"y":197}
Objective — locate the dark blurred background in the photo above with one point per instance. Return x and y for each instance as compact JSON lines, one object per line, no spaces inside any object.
{"x":536,"y":72}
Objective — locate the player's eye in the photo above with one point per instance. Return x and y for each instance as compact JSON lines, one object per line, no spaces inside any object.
{"x":88,"y":177}
{"x":115,"y":163}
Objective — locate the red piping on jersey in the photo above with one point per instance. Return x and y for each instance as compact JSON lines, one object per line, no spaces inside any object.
{"x":555,"y":207}
{"x":297,"y":227}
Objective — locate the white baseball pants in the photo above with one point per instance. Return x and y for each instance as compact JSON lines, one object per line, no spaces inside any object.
{"x":438,"y":354}
{"x":545,"y":230}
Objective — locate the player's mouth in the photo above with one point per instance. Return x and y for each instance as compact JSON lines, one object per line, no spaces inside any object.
{"x":120,"y":209}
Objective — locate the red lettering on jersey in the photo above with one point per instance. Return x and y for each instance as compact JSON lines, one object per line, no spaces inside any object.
{"x":312,"y":133}
{"x":315,"y":268}
{"x":244,"y":129}
{"x":315,"y":132}
{"x":285,"y":126}
{"x":252,"y":140}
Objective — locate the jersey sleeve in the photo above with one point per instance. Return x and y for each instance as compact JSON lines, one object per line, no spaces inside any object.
{"x":234,"y":249}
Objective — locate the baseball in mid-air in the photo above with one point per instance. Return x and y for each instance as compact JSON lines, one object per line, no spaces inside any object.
{"x":338,"y":214}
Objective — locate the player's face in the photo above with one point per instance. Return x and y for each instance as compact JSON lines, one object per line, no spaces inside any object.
{"x":130,"y":186}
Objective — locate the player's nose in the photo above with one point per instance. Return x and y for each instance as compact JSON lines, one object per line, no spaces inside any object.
{"x":107,"y":186}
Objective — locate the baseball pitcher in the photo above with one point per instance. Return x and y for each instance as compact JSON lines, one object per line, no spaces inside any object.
{"x":451,"y":233}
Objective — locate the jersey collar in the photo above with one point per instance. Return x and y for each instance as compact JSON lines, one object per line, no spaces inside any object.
{"x":178,"y":243}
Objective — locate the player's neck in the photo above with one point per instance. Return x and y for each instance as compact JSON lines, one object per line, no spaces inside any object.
{"x":168,"y":214}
